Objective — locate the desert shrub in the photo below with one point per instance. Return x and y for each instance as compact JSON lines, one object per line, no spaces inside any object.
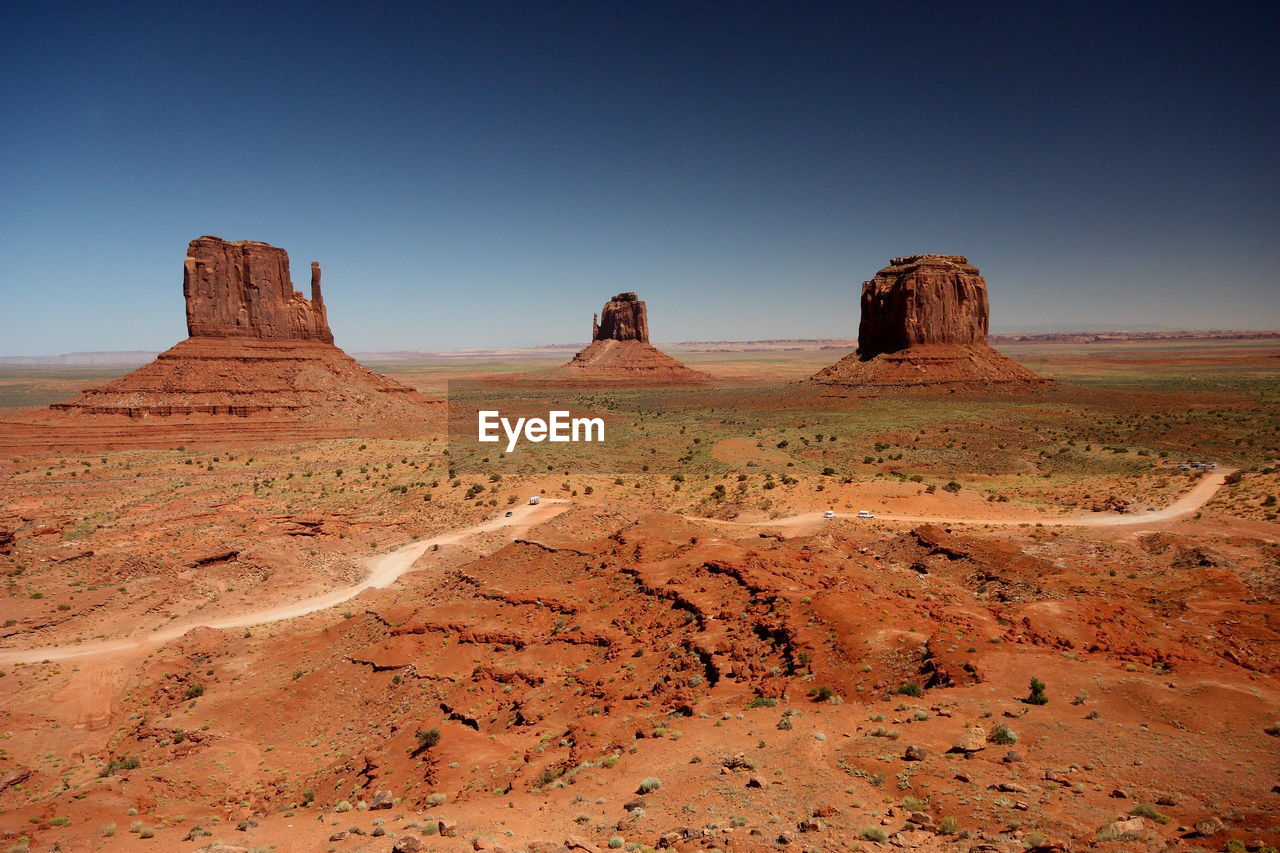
{"x":785,"y":724}
{"x":649,"y":785}
{"x":949,"y":826}
{"x":115,"y":765}
{"x":913,"y":804}
{"x":762,"y":702}
{"x":196,"y":832}
{"x":1037,"y":696}
{"x":146,"y":832}
{"x":195,"y":691}
{"x":952,"y":487}
{"x":908,"y":688}
{"x":822,"y":693}
{"x":1149,"y":811}
{"x":136,"y":826}
{"x":427,"y":739}
{"x":343,"y":806}
{"x":109,"y":830}
{"x":1235,"y":845}
{"x":881,"y":731}
{"x":60,"y":821}
{"x":873,"y":833}
{"x":616,"y":842}
{"x":1002,"y":735}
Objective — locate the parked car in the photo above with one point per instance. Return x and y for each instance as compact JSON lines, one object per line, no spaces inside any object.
{"x":508,"y":515}
{"x":865,"y":513}
{"x":535,"y":500}
{"x":831,"y":513}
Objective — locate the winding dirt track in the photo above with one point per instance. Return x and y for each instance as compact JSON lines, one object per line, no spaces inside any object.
{"x":385,"y":569}
{"x":1196,"y":497}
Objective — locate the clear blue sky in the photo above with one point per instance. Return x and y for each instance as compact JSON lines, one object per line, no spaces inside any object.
{"x":476,"y":174}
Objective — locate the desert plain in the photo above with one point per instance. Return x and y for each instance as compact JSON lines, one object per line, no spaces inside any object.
{"x":311,"y":639}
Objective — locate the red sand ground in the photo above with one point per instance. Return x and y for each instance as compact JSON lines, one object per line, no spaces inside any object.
{"x":805,"y":684}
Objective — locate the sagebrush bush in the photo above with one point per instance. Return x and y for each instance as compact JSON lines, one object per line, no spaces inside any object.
{"x":1002,"y":735}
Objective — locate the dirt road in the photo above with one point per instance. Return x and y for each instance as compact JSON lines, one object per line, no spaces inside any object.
{"x":1188,"y":504}
{"x":384,"y":569}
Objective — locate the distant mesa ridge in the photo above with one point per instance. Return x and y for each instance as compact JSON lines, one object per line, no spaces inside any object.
{"x":924,"y":322}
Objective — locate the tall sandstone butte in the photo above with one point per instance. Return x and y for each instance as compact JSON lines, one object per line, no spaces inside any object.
{"x":624,"y":318}
{"x":924,"y":323}
{"x":260,"y":361}
{"x":243,"y":290}
{"x":620,"y":352}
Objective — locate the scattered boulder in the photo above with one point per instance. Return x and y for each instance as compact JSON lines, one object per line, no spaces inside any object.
{"x":915,"y":753}
{"x":409,"y":844}
{"x":1128,"y":829}
{"x":1211,"y":825}
{"x":1012,"y":788}
{"x":382,"y":800}
{"x":973,"y":740}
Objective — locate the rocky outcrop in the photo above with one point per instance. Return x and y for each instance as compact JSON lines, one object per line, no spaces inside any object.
{"x":620,"y":352}
{"x":923,"y":299}
{"x":243,"y":290}
{"x":624,"y":318}
{"x":259,"y":352}
{"x":924,"y":324}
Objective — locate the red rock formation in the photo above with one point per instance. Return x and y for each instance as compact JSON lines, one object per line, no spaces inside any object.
{"x":625,"y":318}
{"x":259,"y":353}
{"x":924,"y":323}
{"x":923,"y":299}
{"x":243,"y":290}
{"x":620,"y":352}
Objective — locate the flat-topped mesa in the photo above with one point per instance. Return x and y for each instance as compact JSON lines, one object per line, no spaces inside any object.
{"x":924,"y":325}
{"x":923,"y":299}
{"x":242,"y":289}
{"x":624,"y":318}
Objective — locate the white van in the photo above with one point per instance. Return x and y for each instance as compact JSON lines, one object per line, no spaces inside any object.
{"x":865,"y":513}
{"x":535,"y":500}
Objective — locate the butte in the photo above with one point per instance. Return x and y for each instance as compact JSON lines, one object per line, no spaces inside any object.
{"x":259,"y":364}
{"x":620,"y":350}
{"x":924,"y":325}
